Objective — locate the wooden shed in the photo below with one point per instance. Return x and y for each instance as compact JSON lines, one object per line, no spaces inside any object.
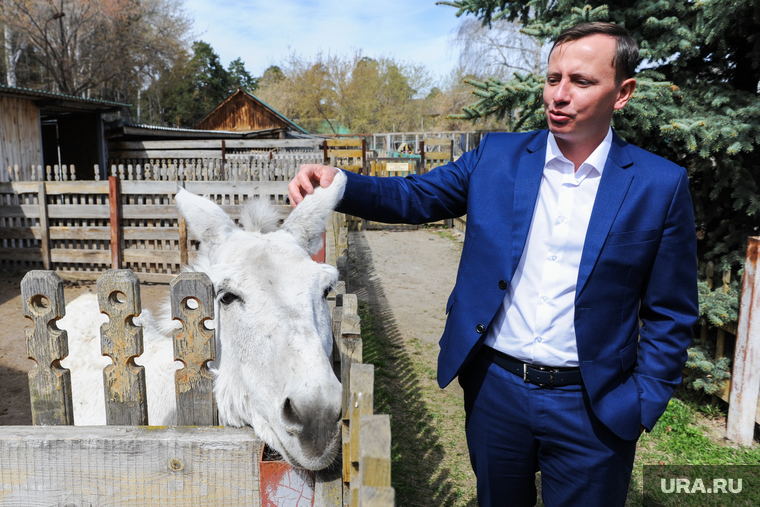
{"x":43,"y":128}
{"x":242,"y":112}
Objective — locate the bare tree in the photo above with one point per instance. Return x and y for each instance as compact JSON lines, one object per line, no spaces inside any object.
{"x":498,"y":50}
{"x":84,"y":45}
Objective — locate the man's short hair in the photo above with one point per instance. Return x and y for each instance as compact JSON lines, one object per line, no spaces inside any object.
{"x":626,"y":52}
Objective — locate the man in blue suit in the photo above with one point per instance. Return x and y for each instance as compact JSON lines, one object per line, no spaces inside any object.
{"x":576,"y":291}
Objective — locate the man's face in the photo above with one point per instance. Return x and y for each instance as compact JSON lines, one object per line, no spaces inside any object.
{"x":580,"y":93}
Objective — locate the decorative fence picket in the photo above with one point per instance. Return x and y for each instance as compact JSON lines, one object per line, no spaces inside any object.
{"x":189,"y":465}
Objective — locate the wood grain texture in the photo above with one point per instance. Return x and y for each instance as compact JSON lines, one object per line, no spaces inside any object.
{"x":20,"y":134}
{"x":362,"y":401}
{"x":195,"y":346}
{"x":370,"y":496}
{"x":745,"y":378}
{"x":49,"y":383}
{"x":122,"y":341}
{"x":213,"y":144}
{"x":375,"y":451}
{"x":129,"y":466}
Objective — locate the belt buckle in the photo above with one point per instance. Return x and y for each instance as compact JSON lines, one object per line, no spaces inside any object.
{"x":539,"y":368}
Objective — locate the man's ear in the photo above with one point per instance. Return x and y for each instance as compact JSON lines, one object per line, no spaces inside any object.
{"x":625,"y":92}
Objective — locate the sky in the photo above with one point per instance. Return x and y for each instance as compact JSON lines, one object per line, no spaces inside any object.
{"x":263,"y":33}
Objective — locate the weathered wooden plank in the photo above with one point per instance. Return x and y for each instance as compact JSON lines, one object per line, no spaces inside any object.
{"x":33,"y":254}
{"x":183,"y":256}
{"x":49,"y":384}
{"x":437,"y":141}
{"x":375,"y":451}
{"x":83,"y":233}
{"x":434,"y":155}
{"x":44,"y":228}
{"x":20,"y":211}
{"x":247,"y":188}
{"x":112,"y":466}
{"x":745,"y":378}
{"x":344,"y":153}
{"x":343,"y":142}
{"x":192,"y":153}
{"x":60,"y":255}
{"x":82,"y":211}
{"x":350,"y":347}
{"x":362,"y":403}
{"x":149,"y":211}
{"x":151,"y":233}
{"x":192,"y":300}
{"x":122,"y":341}
{"x":328,"y":488}
{"x":76,"y":187}
{"x":214,"y":144}
{"x":20,"y":233}
{"x":131,"y":187}
{"x":18,"y":187}
{"x":137,"y":255}
{"x":370,"y":496}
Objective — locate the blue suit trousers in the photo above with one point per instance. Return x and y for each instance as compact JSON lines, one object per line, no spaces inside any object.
{"x":515,"y":429}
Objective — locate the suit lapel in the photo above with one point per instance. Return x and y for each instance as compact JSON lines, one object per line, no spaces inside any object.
{"x":527,"y":182}
{"x":613,"y":188}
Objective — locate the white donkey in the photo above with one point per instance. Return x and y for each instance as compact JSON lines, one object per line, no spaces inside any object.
{"x":272,"y":323}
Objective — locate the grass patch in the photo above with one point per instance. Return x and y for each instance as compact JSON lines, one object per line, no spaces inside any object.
{"x":681,"y":437}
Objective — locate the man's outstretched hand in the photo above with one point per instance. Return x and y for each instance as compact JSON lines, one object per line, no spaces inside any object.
{"x":309,"y":176}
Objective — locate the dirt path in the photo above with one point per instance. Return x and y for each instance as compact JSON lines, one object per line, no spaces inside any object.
{"x":402,"y":281}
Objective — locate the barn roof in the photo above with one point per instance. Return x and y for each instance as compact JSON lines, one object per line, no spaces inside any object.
{"x":52,"y":101}
{"x":223,"y":110}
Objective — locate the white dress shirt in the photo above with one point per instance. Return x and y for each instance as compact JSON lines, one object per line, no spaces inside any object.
{"x":536,"y":321}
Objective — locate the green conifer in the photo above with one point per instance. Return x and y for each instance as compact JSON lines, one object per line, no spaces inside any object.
{"x":697,"y":100}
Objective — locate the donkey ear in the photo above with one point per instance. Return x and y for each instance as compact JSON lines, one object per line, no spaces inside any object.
{"x":307,"y":222}
{"x":206,"y":221}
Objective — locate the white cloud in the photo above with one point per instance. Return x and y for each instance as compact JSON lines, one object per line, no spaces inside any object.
{"x":262,"y":32}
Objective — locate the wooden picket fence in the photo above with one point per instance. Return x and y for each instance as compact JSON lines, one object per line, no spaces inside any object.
{"x":80,"y":229}
{"x":194,"y":463}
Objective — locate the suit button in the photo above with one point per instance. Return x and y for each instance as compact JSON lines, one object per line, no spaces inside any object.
{"x":502,"y":285}
{"x":480,"y":328}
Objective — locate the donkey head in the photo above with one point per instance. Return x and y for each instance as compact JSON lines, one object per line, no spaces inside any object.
{"x":273,"y":323}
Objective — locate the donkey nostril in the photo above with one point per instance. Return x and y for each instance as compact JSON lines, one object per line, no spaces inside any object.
{"x":290,"y":415}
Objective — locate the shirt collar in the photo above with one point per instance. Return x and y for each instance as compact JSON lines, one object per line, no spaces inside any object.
{"x":597,"y":159}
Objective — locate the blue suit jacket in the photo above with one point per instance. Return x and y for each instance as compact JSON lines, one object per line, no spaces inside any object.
{"x":638,"y":262}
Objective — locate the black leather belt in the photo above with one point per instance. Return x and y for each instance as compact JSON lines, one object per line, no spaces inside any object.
{"x":542,"y":376}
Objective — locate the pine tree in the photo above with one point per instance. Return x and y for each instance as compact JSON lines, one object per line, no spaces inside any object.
{"x":239,"y":77}
{"x":697,"y":102}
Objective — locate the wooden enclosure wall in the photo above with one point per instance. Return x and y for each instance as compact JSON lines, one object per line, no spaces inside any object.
{"x":194,"y":464}
{"x":20,"y":137}
{"x":66,"y":226}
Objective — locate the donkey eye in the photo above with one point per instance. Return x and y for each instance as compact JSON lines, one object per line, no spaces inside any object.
{"x":227,"y":298}
{"x":326,"y":293}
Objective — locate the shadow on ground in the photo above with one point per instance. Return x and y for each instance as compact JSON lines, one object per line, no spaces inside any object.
{"x":418,"y":474}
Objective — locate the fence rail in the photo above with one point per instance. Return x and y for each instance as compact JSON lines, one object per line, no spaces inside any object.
{"x":69,"y":226}
{"x":191,"y":465}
